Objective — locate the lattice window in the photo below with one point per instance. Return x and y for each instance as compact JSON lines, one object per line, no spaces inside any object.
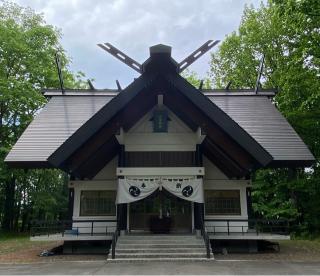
{"x":222,"y":202}
{"x":98,"y":203}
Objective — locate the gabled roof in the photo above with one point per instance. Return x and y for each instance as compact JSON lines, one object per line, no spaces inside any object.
{"x":97,"y":121}
{"x":245,"y":130}
{"x":259,"y":117}
{"x":119,"y":102}
{"x":160,"y":77}
{"x":56,"y":122}
{"x":222,"y":119}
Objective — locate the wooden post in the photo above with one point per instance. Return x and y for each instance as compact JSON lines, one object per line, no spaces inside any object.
{"x":122,"y":208}
{"x":249,"y":207}
{"x":198,"y":207}
{"x":70,"y":204}
{"x":228,"y":224}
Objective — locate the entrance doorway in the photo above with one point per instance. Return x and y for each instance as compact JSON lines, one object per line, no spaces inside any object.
{"x":161,"y":212}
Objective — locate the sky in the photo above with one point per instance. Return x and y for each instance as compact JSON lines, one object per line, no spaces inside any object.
{"x":133,"y":26}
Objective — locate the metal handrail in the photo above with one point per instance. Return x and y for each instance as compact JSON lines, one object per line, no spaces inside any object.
{"x":53,"y":227}
{"x":280,"y":226}
{"x":206,"y":238}
{"x":115,"y":236}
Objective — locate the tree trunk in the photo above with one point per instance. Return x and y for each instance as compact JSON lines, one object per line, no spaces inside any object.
{"x":17,"y":214}
{"x":8,"y":212}
{"x":24,"y":219}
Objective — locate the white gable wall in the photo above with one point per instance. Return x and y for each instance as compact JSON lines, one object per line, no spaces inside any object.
{"x":109,"y":171}
{"x":142,"y":138}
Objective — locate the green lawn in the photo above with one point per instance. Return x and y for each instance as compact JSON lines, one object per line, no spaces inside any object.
{"x":18,"y":248}
{"x":302,"y":245}
{"x":10,"y":242}
{"x":13,"y":242}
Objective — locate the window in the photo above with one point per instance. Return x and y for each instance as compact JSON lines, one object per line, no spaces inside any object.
{"x":222,"y":202}
{"x":98,"y":203}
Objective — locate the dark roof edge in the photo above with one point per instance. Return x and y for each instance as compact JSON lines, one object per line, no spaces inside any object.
{"x":236,"y":90}
{"x":223,"y":120}
{"x":291,"y":163}
{"x":114,"y":92}
{"x":29,"y":164}
{"x":218,"y":92}
{"x":91,"y":126}
{"x":81,"y":92}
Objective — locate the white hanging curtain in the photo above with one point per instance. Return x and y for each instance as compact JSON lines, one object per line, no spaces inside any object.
{"x":190,"y":189}
{"x":134,"y":189}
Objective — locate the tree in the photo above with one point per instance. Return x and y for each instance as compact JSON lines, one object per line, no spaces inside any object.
{"x":194,"y":79}
{"x":27,"y":48}
{"x":287,"y":33}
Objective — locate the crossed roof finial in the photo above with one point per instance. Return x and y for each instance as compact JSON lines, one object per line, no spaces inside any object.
{"x":139,"y":68}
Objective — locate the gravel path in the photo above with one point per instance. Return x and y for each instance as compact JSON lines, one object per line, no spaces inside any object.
{"x":165,"y":268}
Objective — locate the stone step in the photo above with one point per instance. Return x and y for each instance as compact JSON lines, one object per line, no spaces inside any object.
{"x":158,"y":236}
{"x":157,"y":245}
{"x":160,"y":242}
{"x":143,"y":260}
{"x":160,"y":250}
{"x":120,"y":241}
{"x":161,"y":255}
{"x":159,"y":239}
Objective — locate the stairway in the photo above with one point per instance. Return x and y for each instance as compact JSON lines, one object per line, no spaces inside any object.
{"x":130,"y":248}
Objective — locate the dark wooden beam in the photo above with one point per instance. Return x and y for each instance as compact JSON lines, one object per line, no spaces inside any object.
{"x":225,"y":163}
{"x":99,"y":120}
{"x":98,"y":159}
{"x":29,"y":165}
{"x":180,"y":105}
{"x":126,"y":118}
{"x":70,"y":203}
{"x":220,"y":119}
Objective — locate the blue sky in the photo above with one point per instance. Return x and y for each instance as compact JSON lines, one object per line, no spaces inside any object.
{"x":134,"y":26}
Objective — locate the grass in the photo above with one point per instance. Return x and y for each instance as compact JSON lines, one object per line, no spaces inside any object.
{"x":311,"y":246}
{"x":12,"y":242}
{"x":290,"y":250}
{"x":4,"y":236}
{"x":15,"y":247}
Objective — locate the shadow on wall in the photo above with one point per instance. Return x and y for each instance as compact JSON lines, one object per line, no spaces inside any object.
{"x":85,"y":247}
{"x":244,"y":246}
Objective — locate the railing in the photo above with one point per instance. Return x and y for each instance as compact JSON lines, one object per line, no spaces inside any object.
{"x":66,"y":227}
{"x":206,"y":239}
{"x":115,"y":236}
{"x":247,"y":226}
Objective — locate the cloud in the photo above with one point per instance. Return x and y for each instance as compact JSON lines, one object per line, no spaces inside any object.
{"x":133,"y":26}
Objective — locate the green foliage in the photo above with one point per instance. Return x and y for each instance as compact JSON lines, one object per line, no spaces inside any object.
{"x":194,"y":79}
{"x":287,"y":33}
{"x":27,"y":65}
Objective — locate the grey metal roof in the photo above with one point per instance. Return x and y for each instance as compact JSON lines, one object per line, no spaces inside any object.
{"x":63,"y":115}
{"x":56,"y":122}
{"x":223,"y":92}
{"x":262,"y":120}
